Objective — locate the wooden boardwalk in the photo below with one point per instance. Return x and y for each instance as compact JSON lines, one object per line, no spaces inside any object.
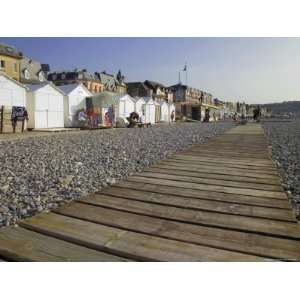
{"x":220,"y":201}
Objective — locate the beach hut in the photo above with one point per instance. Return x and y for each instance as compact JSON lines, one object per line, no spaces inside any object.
{"x":12,"y":100}
{"x":75,"y":95}
{"x":140,"y":107}
{"x":150,"y":110}
{"x":164,"y":112}
{"x":103,"y":108}
{"x":45,"y":106}
{"x":126,"y":106}
{"x":12,"y":93}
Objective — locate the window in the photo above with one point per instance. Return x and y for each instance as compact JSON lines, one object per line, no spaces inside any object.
{"x":2,"y":64}
{"x":26,"y":74}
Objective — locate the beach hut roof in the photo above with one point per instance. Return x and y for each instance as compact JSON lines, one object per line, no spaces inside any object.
{"x":105,"y":99}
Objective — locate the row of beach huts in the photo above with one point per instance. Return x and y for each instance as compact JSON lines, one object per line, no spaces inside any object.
{"x":73,"y":105}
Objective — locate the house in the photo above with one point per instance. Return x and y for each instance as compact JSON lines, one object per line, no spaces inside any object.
{"x":191,"y":102}
{"x":90,"y":81}
{"x":45,"y":106}
{"x":10,"y":59}
{"x":33,"y":72}
{"x":112,"y":83}
{"x":148,"y":88}
{"x":75,"y":100}
{"x":12,"y":95}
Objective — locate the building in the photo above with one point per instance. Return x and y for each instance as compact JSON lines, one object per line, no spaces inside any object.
{"x":191,"y":102}
{"x":90,"y":81}
{"x":112,"y":83}
{"x":33,"y":72}
{"x":10,"y":59}
{"x":148,"y":88}
{"x":45,"y":106}
{"x":75,"y":100}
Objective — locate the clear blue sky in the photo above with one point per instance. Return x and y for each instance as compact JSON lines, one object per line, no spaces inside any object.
{"x":251,"y":69}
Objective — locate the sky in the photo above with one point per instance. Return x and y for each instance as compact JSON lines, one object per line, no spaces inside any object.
{"x":254,"y":70}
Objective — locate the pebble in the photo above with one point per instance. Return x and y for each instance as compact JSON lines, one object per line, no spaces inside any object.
{"x":39,"y":173}
{"x":285,"y":140}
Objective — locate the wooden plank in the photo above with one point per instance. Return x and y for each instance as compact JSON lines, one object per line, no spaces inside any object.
{"x":230,"y":198}
{"x":212,"y":162}
{"x":206,"y":174}
{"x":215,"y":188}
{"x":224,"y":154}
{"x":19,"y":244}
{"x":127,"y":243}
{"x":220,"y":169}
{"x":241,"y":223}
{"x":261,"y":163}
{"x":201,"y":204}
{"x":247,"y":177}
{"x":218,"y":166}
{"x":179,"y":176}
{"x":250,"y":243}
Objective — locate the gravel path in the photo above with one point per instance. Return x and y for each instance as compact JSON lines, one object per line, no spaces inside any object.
{"x":285,"y":140}
{"x":41,"y":172}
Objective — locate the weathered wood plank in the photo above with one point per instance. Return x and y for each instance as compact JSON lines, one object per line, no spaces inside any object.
{"x":214,"y":188}
{"x":202,"y":174}
{"x":201,"y":204}
{"x":250,"y":243}
{"x":19,"y":244}
{"x":242,"y":223}
{"x":127,"y":243}
{"x":261,"y":163}
{"x":219,"y":167}
{"x":221,"y":171}
{"x":231,"y":198}
{"x":212,"y":162}
{"x":179,"y":176}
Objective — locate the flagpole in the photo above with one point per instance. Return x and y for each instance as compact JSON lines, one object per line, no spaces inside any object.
{"x":186,"y":77}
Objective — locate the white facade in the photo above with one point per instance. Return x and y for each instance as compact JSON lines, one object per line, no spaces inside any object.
{"x":45,"y":106}
{"x":12,"y":93}
{"x":74,"y":101}
{"x":164,"y":112}
{"x":140,"y":108}
{"x":126,"y":106}
{"x":150,"y":110}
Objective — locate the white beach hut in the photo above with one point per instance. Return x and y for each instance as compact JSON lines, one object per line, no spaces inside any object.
{"x":150,"y":110}
{"x":164,"y":112}
{"x":126,"y":106}
{"x":12,"y":93}
{"x":75,"y":100}
{"x":140,"y":107}
{"x":45,"y":106}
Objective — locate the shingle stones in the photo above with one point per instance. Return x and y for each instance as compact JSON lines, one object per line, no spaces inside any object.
{"x":285,"y":140}
{"x":39,"y":173}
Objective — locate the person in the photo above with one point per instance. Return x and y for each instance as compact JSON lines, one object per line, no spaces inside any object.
{"x":214,"y":116}
{"x":172,"y":116}
{"x":25,"y":119}
{"x":256,"y":114}
{"x":206,"y":117}
{"x":82,"y":118}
